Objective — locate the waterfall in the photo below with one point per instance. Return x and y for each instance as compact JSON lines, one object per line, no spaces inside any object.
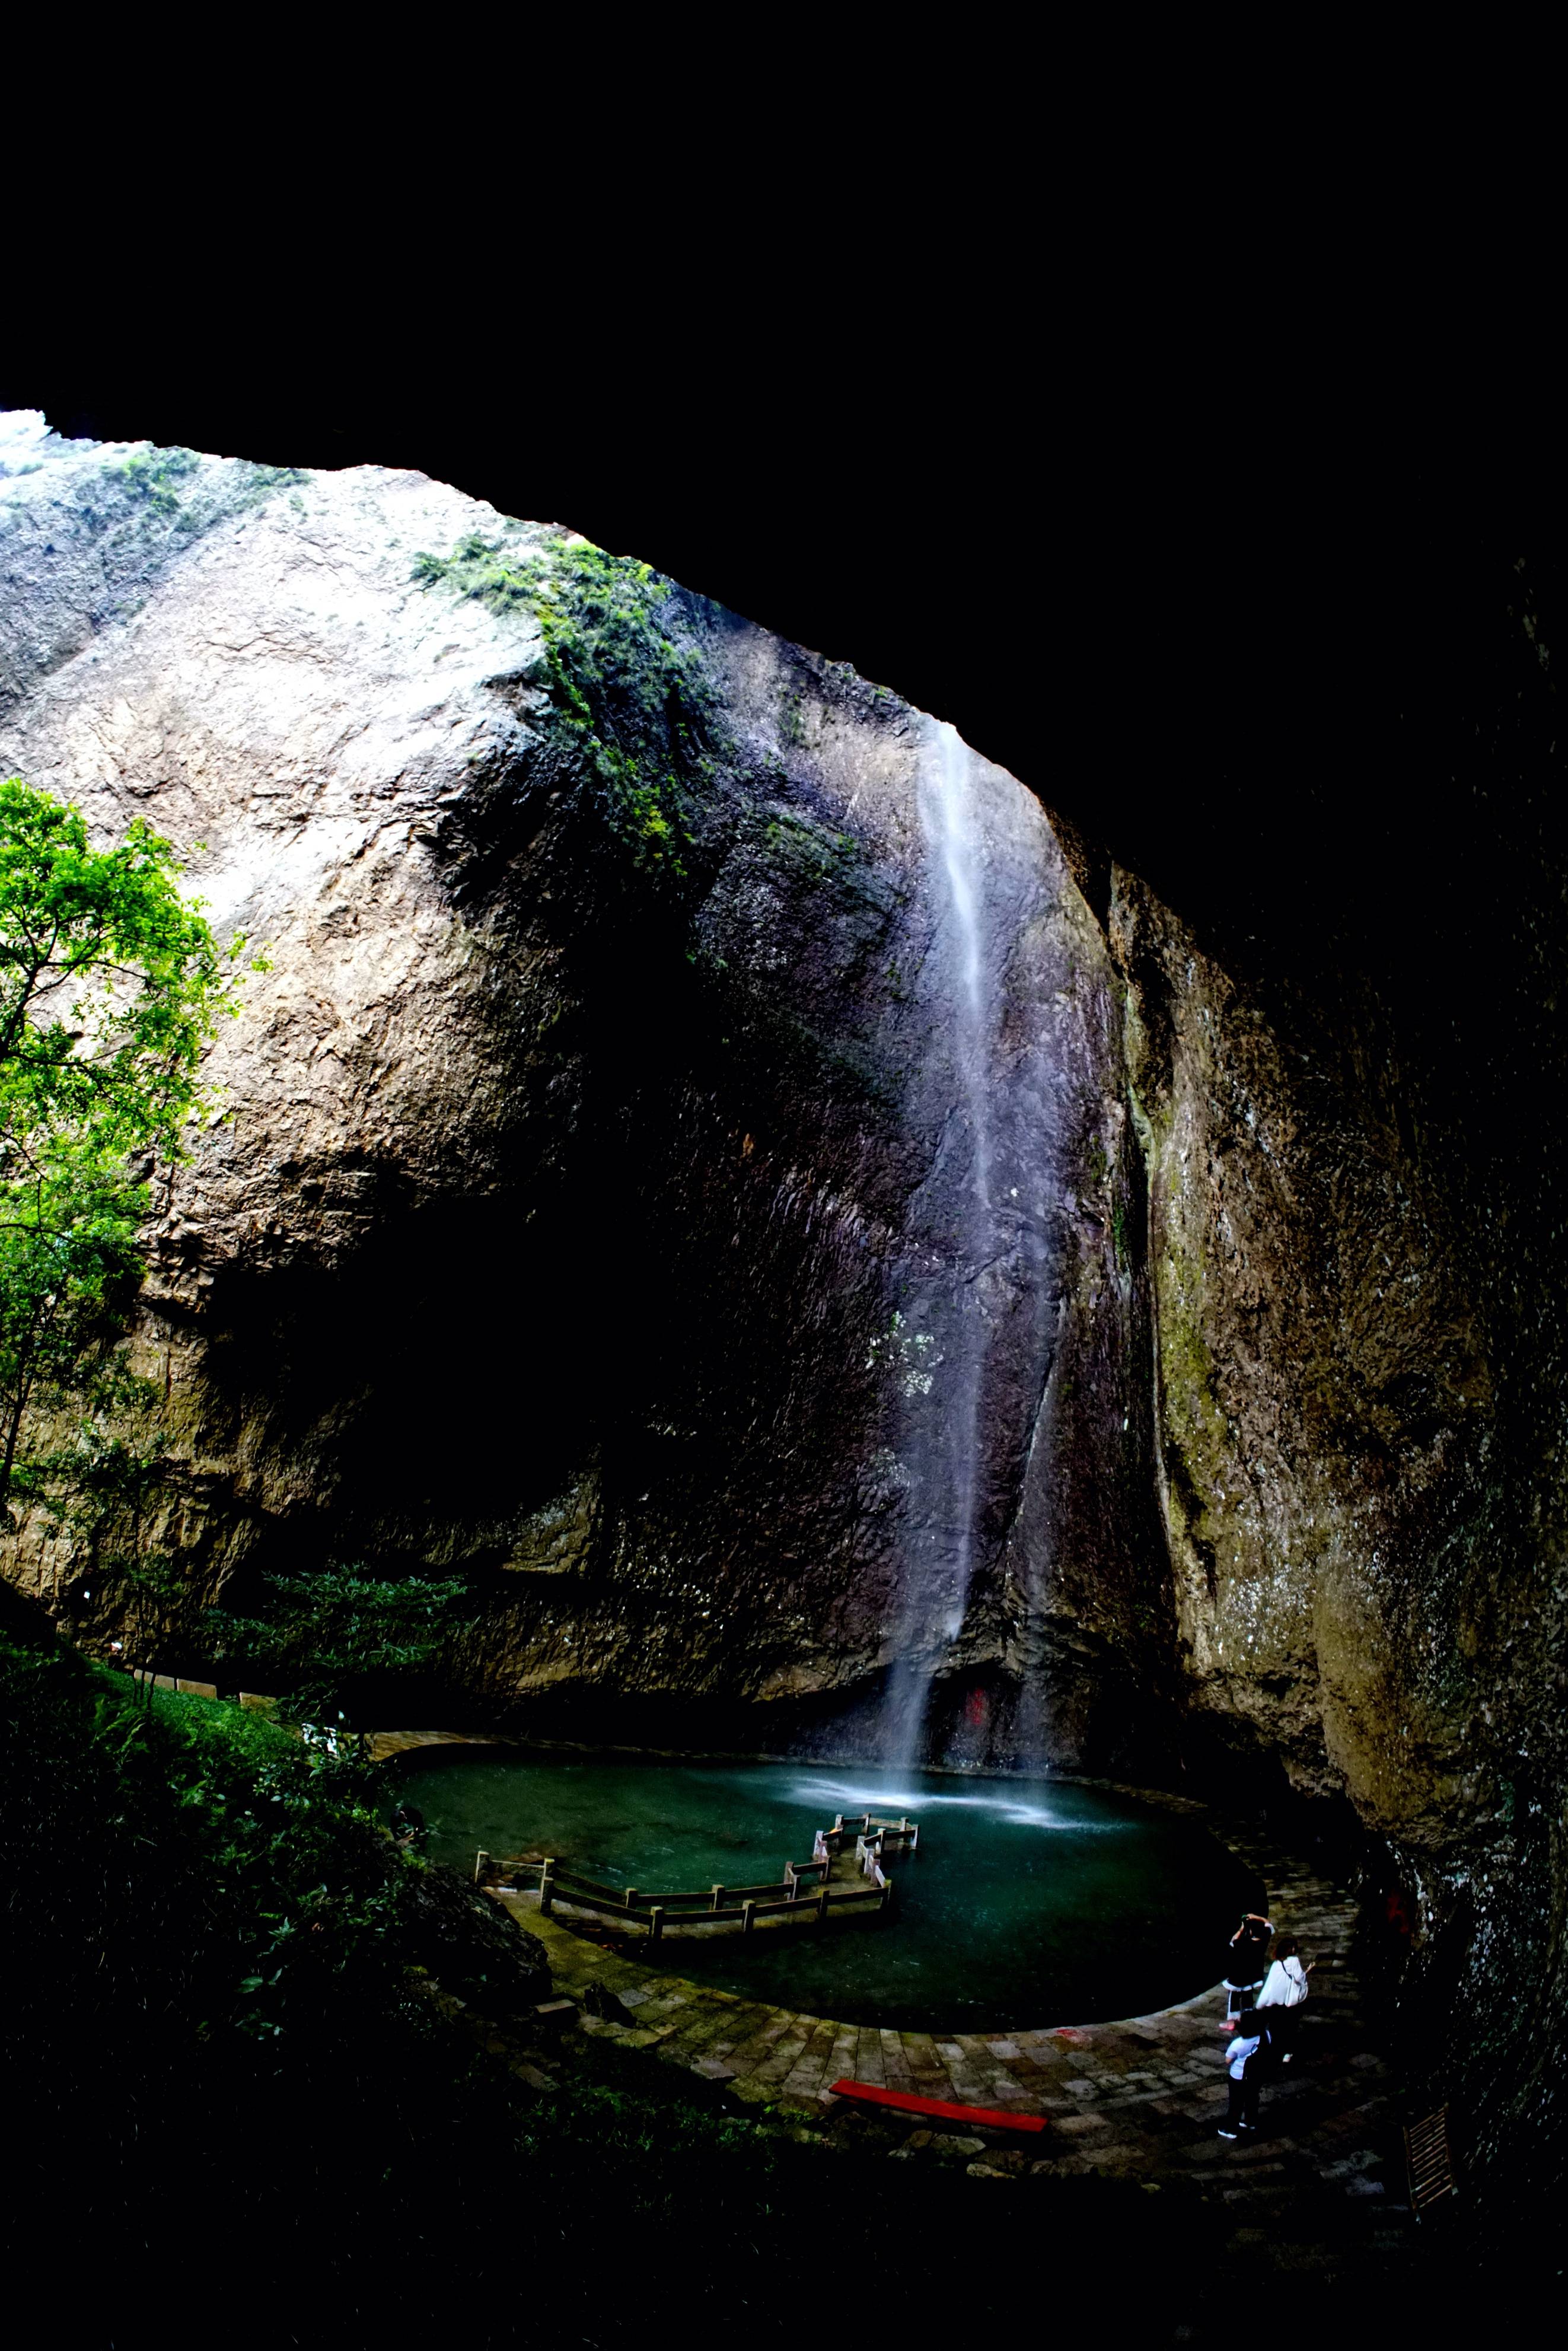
{"x":942,"y":1354}
{"x":948,"y":817}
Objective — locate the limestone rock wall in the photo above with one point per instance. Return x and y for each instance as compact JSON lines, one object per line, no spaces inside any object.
{"x":569,"y":1182}
{"x":576,"y":1169}
{"x":1359,"y":1421}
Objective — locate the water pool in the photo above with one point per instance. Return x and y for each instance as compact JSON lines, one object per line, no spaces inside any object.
{"x":1029,"y":1902}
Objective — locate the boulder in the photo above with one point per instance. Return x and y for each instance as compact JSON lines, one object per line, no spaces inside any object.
{"x":472,"y":1944}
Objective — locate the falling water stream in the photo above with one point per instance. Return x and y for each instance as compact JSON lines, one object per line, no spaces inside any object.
{"x":943,"y":1441}
{"x":947,"y":813}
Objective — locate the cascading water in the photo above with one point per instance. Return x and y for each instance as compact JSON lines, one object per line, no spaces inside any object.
{"x":943,"y":1345}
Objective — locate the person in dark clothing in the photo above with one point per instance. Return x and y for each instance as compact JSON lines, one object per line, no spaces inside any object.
{"x":1247,"y":2061}
{"x":408,"y":1826}
{"x":1247,"y":1959}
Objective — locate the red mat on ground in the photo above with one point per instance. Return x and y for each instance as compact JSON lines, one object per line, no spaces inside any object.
{"x":908,"y":2102}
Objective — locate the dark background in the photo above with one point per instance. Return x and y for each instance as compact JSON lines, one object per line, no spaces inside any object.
{"x":1251,"y":615}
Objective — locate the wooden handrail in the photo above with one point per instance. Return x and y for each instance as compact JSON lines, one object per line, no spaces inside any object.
{"x":568,"y":1885}
{"x":732,"y":1914}
{"x":739,"y":1905}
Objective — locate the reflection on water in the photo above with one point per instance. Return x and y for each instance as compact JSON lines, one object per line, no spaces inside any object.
{"x":855,"y":1796}
{"x":1028,"y":1902}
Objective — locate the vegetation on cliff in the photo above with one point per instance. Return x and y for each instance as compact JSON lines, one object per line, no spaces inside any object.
{"x":112,"y":985}
{"x":631,"y":698}
{"x":330,"y":1642}
{"x":240,"y":2051}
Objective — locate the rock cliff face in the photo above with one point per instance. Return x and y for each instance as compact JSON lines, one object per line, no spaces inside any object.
{"x":602,"y":1109}
{"x":599,"y":1115}
{"x":1359,"y":1416}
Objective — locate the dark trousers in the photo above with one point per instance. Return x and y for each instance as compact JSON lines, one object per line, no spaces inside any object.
{"x":1243,"y":2106}
{"x":1282,"y":2029}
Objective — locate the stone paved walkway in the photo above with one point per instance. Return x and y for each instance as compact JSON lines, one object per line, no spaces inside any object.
{"x":1138,"y":2099}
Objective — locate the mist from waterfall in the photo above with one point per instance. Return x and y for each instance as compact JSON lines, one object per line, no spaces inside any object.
{"x":943,"y":1438}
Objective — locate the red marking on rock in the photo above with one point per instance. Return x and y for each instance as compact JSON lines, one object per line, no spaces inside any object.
{"x":906,"y":2102}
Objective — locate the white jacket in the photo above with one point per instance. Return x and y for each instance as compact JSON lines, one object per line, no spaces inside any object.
{"x":1285,"y":1986}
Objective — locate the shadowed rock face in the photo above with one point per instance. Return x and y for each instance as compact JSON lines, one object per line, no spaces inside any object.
{"x":577,"y":1169}
{"x":573,"y":1180}
{"x":1357,"y":1287}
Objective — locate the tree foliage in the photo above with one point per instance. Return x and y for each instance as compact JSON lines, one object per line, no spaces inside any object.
{"x":112,"y":986}
{"x":325,"y":1638}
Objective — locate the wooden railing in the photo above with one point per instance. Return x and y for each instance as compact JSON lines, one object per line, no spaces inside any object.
{"x":804,"y":1893}
{"x":868,"y":1831}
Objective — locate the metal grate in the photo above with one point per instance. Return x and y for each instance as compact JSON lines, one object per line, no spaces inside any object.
{"x":1428,"y":2160}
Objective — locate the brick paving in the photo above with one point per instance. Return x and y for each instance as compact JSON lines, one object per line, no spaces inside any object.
{"x":1137,"y":2099}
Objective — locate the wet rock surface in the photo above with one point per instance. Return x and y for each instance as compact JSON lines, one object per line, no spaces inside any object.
{"x":578,"y":1165}
{"x":578,"y":1170}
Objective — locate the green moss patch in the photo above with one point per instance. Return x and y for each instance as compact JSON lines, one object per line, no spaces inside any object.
{"x":632,"y":696}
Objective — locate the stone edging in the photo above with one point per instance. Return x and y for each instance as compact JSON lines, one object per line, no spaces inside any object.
{"x":1136,"y":2100}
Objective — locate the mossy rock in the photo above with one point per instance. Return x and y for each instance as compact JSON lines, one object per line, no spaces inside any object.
{"x":474,"y":1947}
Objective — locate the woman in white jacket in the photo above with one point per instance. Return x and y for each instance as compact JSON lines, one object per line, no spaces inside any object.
{"x":1285,"y":1989}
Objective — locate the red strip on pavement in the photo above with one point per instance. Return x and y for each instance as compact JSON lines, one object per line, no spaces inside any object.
{"x":908,"y":2104}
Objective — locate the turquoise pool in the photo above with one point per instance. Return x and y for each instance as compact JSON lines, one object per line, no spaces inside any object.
{"x":1030,"y":1902}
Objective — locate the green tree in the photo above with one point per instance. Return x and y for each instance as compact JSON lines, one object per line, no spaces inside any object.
{"x":326,"y":1636}
{"x":112,"y":986}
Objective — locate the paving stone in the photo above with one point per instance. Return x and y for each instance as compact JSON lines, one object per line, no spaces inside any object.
{"x":868,"y":2058}
{"x":700,"y":2024}
{"x":780,"y":2064}
{"x":1140,"y":2097}
{"x":755,"y":2050}
{"x":896,"y":2071}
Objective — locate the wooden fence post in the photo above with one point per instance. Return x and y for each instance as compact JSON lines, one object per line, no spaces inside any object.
{"x":546,"y":1887}
{"x":717,"y":1902}
{"x":748,"y":1917}
{"x":886,"y":1894}
{"x":656,"y":1923}
{"x":480,"y":1858}
{"x":630,"y":1897}
{"x":822,"y":1907}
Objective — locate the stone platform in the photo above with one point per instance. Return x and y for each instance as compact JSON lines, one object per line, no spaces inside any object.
{"x":1136,"y":2100}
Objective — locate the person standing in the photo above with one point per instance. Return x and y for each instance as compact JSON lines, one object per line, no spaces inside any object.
{"x":1285,"y":1989}
{"x":1245,"y":2061}
{"x":1248,"y":1951}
